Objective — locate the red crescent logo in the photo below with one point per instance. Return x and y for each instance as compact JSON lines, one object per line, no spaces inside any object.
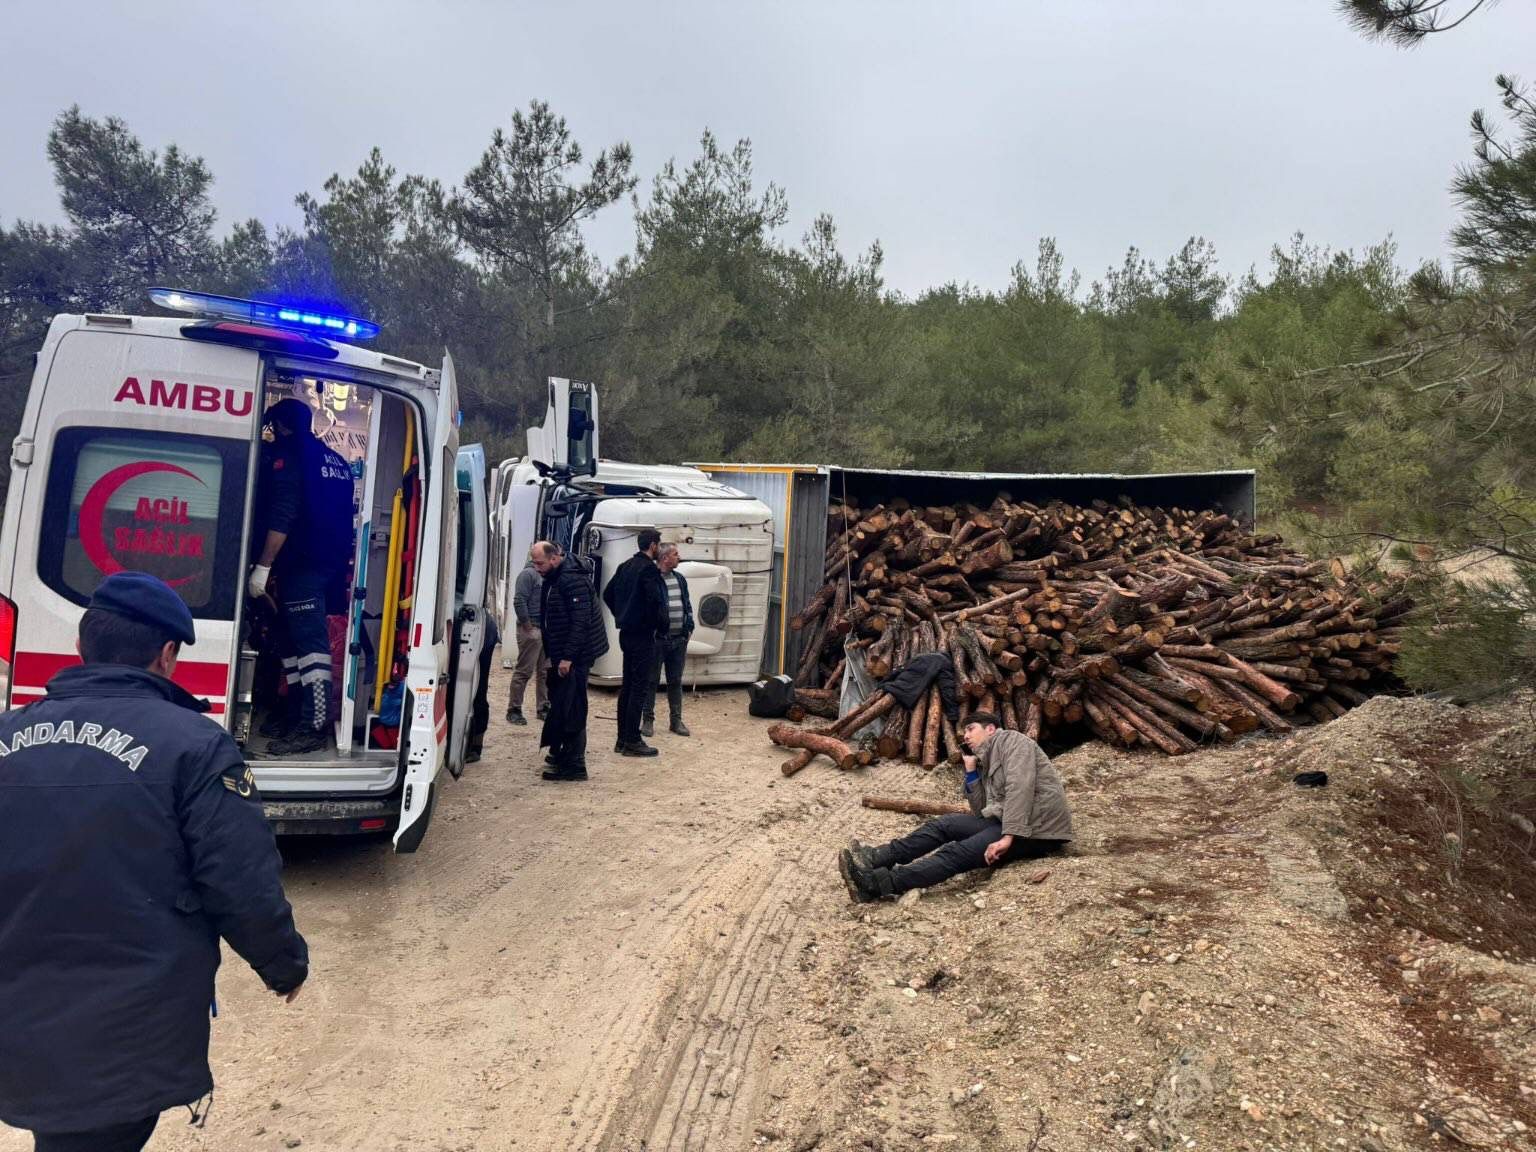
{"x":93,"y":510}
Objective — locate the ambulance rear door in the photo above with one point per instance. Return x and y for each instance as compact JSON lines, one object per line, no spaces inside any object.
{"x":471,"y":570}
{"x":433,"y":627}
{"x":136,"y":454}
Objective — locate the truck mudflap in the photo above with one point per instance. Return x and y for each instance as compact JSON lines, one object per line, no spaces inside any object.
{"x":331,"y":817}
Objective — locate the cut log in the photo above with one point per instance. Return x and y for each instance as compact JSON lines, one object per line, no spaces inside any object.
{"x":819,"y":743}
{"x":914,"y":807}
{"x":931,"y":728}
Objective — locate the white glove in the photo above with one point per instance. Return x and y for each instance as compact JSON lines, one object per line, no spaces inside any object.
{"x":257,"y":584}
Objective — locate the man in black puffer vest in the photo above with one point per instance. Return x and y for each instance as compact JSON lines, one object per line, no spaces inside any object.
{"x":131,"y":840}
{"x":637,"y":597}
{"x":574,"y":637}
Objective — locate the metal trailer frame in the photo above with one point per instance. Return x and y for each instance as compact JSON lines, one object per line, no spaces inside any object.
{"x":801,"y":494}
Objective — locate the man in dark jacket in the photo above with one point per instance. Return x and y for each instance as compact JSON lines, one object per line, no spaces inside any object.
{"x":131,"y":839}
{"x":306,"y":504}
{"x":1018,"y":811}
{"x":637,"y":597}
{"x":574,"y":637}
{"x":672,"y":648}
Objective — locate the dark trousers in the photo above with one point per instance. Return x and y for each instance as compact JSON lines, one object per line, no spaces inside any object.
{"x":565,"y":728}
{"x":306,"y":644}
{"x":671,"y":656}
{"x":948,"y":846}
{"x":639,"y":650}
{"x":129,"y":1137}
{"x":480,"y":707}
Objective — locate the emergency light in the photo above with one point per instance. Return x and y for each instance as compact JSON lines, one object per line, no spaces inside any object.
{"x":263,"y":312}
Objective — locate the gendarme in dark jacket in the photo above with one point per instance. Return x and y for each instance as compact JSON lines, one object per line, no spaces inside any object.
{"x":131,"y":839}
{"x":572,"y":626}
{"x":637,"y":596}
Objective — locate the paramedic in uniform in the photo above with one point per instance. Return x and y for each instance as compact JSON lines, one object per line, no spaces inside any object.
{"x":307,"y":509}
{"x":131,"y":840}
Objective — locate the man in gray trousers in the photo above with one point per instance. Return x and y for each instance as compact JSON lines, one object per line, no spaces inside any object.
{"x":530,"y":645}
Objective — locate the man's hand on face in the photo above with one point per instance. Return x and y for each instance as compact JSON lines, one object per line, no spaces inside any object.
{"x":564,"y":668}
{"x":969,"y":761}
{"x":998,"y":849}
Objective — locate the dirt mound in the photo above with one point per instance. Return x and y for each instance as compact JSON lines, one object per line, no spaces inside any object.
{"x":1209,"y":967}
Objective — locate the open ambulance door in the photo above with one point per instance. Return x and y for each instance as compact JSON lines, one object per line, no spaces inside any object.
{"x":433,"y":627}
{"x":472,"y":569}
{"x":567,"y":440}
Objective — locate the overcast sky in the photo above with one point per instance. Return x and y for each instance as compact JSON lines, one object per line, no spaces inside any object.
{"x":956,"y":133}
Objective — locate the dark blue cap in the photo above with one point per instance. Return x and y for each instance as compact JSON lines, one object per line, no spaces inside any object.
{"x":147,"y":599}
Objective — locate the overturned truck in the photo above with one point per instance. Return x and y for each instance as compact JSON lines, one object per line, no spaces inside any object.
{"x":1164,"y":625}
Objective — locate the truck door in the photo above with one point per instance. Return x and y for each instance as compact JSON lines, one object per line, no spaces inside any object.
{"x":471,"y":571}
{"x":709,"y":588}
{"x":567,"y":440}
{"x":432,"y":622}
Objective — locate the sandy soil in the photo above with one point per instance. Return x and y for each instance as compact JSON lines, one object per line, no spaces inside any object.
{"x":664,"y":958}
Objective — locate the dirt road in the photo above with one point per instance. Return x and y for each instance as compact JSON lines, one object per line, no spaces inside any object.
{"x":663,"y":959}
{"x":561,"y":967}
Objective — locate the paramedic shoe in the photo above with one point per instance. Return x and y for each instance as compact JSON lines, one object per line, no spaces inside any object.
{"x":648,"y":726}
{"x":278,"y":725}
{"x":638,"y":748}
{"x":863,"y":886}
{"x":515,"y":716}
{"x":300,"y":743}
{"x":564,"y":774}
{"x":679,"y":728}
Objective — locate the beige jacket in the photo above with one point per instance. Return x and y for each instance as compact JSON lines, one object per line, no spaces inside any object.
{"x":1020,"y":787}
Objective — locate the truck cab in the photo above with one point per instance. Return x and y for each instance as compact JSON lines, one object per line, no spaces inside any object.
{"x":563,"y":492}
{"x":139,"y":449}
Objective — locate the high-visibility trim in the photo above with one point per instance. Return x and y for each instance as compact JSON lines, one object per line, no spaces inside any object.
{"x":35,"y":669}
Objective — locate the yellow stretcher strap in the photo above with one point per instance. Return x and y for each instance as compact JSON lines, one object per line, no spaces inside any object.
{"x":386,"y":653}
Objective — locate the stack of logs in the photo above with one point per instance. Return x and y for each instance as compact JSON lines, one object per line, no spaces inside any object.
{"x":1146,"y":626}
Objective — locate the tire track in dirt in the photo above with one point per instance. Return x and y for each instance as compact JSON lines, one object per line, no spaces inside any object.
{"x":692,"y":1086}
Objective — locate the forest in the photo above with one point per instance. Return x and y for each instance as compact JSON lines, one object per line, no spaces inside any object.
{"x":1388,"y":411}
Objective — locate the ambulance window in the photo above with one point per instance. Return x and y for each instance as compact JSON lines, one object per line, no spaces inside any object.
{"x":466,"y":544}
{"x":150,"y":502}
{"x":449,"y":545}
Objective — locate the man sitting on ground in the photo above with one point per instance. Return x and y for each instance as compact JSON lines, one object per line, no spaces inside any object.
{"x":1018,"y":811}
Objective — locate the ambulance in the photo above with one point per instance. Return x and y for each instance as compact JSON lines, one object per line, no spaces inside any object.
{"x":139,"y":450}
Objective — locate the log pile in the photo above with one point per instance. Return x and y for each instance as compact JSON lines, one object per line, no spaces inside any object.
{"x":1156,"y":627}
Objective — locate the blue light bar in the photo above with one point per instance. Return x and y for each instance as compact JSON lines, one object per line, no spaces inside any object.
{"x":261,"y":312}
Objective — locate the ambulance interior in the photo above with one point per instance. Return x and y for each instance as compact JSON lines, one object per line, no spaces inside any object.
{"x":377,"y":433}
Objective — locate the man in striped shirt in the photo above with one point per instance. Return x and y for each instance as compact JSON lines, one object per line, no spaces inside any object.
{"x":671,"y":649}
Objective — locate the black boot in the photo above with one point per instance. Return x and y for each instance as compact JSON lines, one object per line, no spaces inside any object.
{"x":301,"y":743}
{"x":863,"y":886}
{"x":638,"y":748}
{"x":869,"y":857}
{"x":281,"y":721}
{"x":473,"y":749}
{"x":564,"y":773}
{"x":515,"y":716}
{"x":679,"y":728}
{"x":648,"y":726}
